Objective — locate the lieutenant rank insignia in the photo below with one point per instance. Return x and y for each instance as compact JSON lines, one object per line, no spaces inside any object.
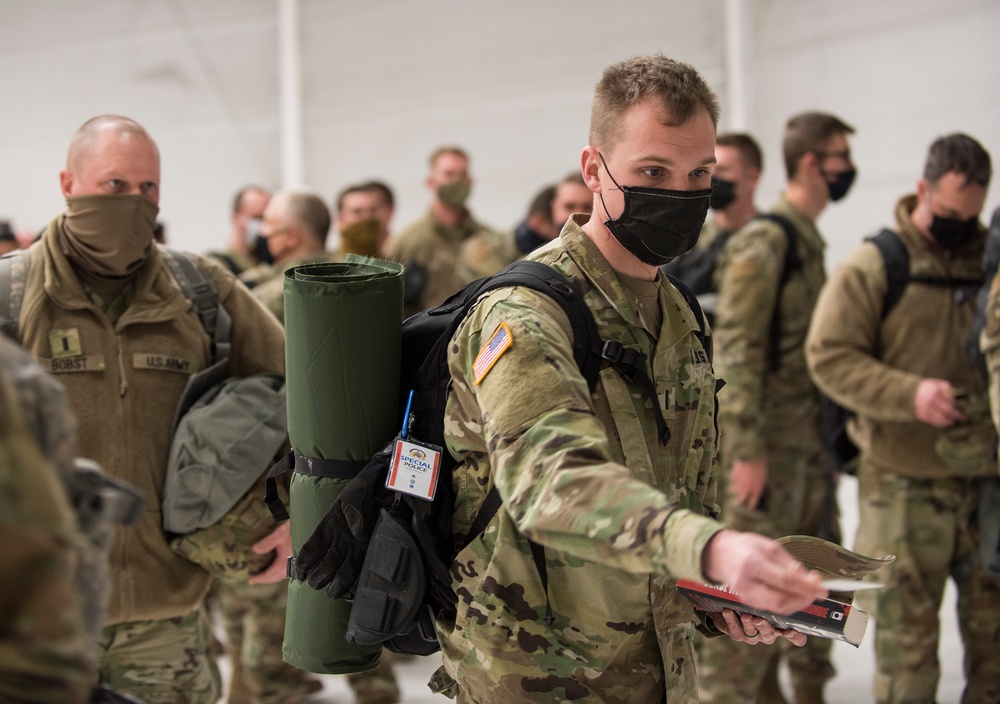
{"x":488,"y":356}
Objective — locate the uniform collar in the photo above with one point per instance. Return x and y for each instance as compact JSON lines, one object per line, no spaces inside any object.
{"x":586,"y":255}
{"x":804,"y":225}
{"x":157,"y":296}
{"x":918,"y":243}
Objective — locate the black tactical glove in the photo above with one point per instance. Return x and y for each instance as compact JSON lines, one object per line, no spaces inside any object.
{"x":103,"y":694}
{"x":333,"y":555}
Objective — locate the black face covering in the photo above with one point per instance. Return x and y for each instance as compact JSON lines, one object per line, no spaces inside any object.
{"x":261,"y":251}
{"x":951,"y":233}
{"x":658,"y":224}
{"x":841,"y":183}
{"x":723,"y":194}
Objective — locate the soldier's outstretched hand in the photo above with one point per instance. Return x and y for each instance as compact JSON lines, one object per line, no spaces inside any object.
{"x":761,"y":571}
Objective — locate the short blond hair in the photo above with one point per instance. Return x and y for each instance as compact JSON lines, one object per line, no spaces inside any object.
{"x":447,"y":149}
{"x":674,"y":84}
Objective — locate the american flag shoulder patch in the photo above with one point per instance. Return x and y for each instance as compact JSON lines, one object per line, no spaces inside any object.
{"x":499,"y":343}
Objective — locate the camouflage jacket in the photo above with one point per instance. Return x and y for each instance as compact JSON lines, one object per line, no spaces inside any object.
{"x":448,"y":258}
{"x":620,"y":515}
{"x":873,"y":365}
{"x":762,"y":410}
{"x":47,"y":655}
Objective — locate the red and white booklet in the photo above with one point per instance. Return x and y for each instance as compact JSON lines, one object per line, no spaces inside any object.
{"x":835,"y":617}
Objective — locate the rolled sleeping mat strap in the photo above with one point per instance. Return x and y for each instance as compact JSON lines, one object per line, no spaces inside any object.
{"x":311,"y":466}
{"x":342,"y":356}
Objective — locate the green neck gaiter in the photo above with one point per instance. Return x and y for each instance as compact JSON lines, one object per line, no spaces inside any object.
{"x":454,"y":194}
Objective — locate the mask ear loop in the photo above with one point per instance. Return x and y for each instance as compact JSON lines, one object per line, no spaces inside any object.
{"x":606,"y":211}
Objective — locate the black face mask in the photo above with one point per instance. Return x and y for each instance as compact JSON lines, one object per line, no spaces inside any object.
{"x":841,"y":183}
{"x":658,"y":224}
{"x":951,"y":233}
{"x":723,"y":194}
{"x":261,"y":251}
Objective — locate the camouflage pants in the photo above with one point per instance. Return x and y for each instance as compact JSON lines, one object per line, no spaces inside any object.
{"x":797,"y":501}
{"x":159,"y":662}
{"x":931,"y":526}
{"x":254,"y":620}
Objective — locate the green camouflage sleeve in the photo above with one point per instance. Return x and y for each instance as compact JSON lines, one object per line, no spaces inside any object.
{"x":46,"y":655}
{"x":748,"y":288}
{"x":989,"y":343}
{"x":549,"y":455}
{"x":843,"y":341}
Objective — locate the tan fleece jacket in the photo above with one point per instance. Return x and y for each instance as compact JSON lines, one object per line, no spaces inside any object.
{"x":123,"y":382}
{"x":873,"y":366}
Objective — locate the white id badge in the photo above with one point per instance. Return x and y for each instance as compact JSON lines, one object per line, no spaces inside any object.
{"x":414,"y":469}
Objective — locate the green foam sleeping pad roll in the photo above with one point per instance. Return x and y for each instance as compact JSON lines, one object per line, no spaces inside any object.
{"x":342,"y":347}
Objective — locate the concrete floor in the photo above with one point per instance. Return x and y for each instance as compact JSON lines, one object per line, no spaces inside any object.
{"x":854,"y":665}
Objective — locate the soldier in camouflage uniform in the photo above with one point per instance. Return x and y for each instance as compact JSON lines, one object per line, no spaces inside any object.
{"x":922,"y":427}
{"x":776,"y":468}
{"x":295,"y":226}
{"x":738,"y":163}
{"x":620,"y":507}
{"x":253,"y":615}
{"x":447,"y":248}
{"x":989,"y":340}
{"x":243,"y":255}
{"x":47,"y":655}
{"x":364,"y":214}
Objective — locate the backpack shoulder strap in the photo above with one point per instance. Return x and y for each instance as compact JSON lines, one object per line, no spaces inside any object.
{"x":546,"y":280}
{"x":198,"y":289}
{"x":791,"y":264}
{"x":792,"y":260}
{"x":897,"y":266}
{"x":692,"y":300}
{"x":13,"y":274}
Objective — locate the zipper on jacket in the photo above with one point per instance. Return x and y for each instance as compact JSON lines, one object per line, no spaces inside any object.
{"x":123,"y":382}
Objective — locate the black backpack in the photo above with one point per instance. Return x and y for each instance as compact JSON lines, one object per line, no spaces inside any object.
{"x":391,"y":553}
{"x":896,"y":259}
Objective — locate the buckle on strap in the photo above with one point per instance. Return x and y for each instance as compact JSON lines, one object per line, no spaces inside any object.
{"x":630,"y":363}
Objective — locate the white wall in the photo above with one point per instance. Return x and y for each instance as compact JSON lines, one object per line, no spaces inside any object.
{"x":386,"y":81}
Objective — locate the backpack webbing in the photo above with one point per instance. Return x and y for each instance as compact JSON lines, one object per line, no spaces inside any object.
{"x":897,"y":271}
{"x":194,"y":284}
{"x":791,"y":263}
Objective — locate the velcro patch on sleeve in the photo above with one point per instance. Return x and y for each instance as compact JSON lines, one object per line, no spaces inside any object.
{"x":499,"y":343}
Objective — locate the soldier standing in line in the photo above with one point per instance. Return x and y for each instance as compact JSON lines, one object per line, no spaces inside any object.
{"x":295,"y":227}
{"x":618,"y":485}
{"x":246,"y":250}
{"x":447,"y":248}
{"x":47,"y":655}
{"x":922,"y":425}
{"x":778,"y":481}
{"x":102,"y":310}
{"x":738,"y":163}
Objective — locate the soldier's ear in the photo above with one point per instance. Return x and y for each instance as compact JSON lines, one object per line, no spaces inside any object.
{"x":66,"y":181}
{"x":590,"y":164}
